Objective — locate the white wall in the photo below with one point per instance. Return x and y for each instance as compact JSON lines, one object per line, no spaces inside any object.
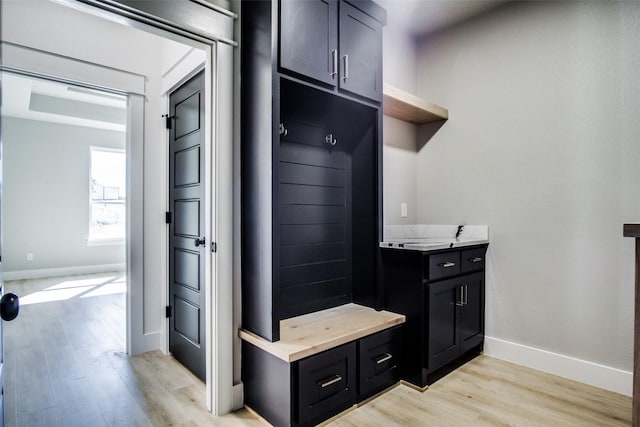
{"x":543,"y":146}
{"x":399,"y":149}
{"x":46,"y":195}
{"x":54,"y":28}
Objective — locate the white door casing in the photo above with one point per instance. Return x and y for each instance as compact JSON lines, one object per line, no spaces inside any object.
{"x":219,"y":176}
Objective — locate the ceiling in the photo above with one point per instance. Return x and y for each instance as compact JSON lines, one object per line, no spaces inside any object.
{"x":43,"y":100}
{"x":420,"y":17}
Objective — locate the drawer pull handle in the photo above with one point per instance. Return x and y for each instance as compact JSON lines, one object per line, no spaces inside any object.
{"x":475,"y":259}
{"x":447,"y":264}
{"x":383,"y":358}
{"x":331,"y":381}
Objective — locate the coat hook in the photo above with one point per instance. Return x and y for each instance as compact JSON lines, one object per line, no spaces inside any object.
{"x":283,"y":130}
{"x":329,"y":139}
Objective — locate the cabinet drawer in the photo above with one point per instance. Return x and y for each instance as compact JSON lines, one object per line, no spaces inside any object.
{"x":472,"y":259}
{"x":379,"y":356}
{"x":443,"y":265}
{"x":326,"y":381}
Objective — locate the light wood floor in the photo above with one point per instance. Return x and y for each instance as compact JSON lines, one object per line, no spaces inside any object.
{"x":66,"y":367}
{"x":492,"y":392}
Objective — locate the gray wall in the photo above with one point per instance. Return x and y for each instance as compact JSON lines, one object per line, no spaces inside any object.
{"x":543,"y":145}
{"x":46,"y":195}
{"x":399,"y":157}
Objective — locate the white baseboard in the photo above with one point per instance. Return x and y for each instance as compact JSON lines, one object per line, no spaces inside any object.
{"x":145,"y":342}
{"x":238,"y":396}
{"x":64,"y":271}
{"x":583,"y":371}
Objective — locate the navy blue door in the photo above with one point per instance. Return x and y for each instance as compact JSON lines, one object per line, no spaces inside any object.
{"x":187,"y":244}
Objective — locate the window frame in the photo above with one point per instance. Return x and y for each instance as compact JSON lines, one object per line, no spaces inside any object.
{"x":104,"y":241}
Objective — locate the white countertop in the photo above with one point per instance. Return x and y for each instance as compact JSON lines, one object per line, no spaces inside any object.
{"x":426,"y":237}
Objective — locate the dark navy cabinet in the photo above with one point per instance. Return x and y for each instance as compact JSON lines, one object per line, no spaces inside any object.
{"x":335,"y":43}
{"x":311,"y":160}
{"x":442,"y":295}
{"x":309,"y":39}
{"x":311,"y":165}
{"x":308,"y":391}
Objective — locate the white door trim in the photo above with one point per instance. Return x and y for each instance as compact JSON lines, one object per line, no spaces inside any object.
{"x":216,"y":33}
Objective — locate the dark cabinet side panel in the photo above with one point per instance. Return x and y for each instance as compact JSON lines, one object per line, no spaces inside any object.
{"x":404,"y":294}
{"x":259,"y":112}
{"x":267,"y":385}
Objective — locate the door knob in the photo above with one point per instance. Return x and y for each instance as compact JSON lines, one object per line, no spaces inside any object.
{"x":9,"y":306}
{"x":200,"y":241}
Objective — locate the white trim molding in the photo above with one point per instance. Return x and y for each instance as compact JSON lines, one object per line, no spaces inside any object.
{"x":594,"y":374}
{"x":63,"y":271}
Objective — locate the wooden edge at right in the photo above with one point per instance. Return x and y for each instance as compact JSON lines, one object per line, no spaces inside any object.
{"x":257,"y":416}
{"x":415,"y":387}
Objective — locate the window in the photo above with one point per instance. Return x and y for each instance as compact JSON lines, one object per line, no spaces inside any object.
{"x":108,"y":194}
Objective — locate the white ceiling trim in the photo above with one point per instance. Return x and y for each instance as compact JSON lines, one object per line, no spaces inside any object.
{"x":27,"y":60}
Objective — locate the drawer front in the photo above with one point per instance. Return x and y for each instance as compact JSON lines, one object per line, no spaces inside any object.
{"x":379,"y":356}
{"x":326,"y":381}
{"x":472,"y":259}
{"x":443,"y":265}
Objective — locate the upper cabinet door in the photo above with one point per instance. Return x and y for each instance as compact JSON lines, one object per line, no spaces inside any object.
{"x":360,"y":53}
{"x":309,"y":38}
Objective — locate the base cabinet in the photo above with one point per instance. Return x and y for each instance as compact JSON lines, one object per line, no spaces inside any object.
{"x":442,"y":295}
{"x":311,"y":390}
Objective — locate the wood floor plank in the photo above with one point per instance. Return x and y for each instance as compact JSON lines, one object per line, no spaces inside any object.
{"x":170,"y":374}
{"x":97,"y":384}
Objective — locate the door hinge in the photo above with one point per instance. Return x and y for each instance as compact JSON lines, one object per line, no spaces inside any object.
{"x":167,"y":119}
{"x":214,"y":247}
{"x":167,"y":217}
{"x":168,"y":312}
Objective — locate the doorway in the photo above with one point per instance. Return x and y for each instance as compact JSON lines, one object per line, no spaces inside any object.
{"x":64,"y":222}
{"x":21,"y":29}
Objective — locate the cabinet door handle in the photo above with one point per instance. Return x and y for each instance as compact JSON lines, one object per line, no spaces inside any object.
{"x":447,"y":264}
{"x":383,"y":358}
{"x":460,"y":295}
{"x":333,"y":380}
{"x":466,"y":295}
{"x":346,"y":67}
{"x":475,"y":259}
{"x":334,"y":63}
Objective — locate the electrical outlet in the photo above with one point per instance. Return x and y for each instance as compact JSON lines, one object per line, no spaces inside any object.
{"x":403,"y":210}
{"x":29,"y":257}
